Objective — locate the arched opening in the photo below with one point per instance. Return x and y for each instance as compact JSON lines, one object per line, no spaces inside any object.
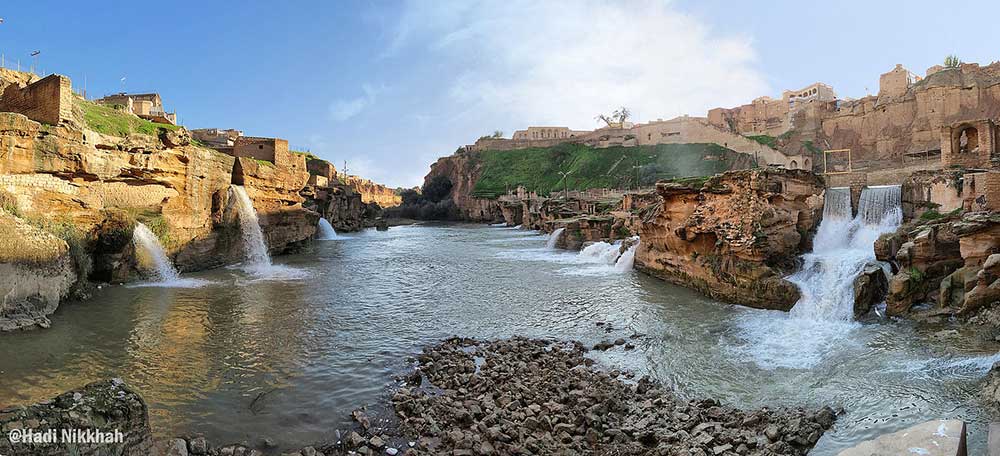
{"x":793,"y":165}
{"x":806,"y":164}
{"x":966,"y":140}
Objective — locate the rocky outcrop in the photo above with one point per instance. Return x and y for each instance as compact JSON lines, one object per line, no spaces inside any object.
{"x":107,"y":417}
{"x":734,"y":237}
{"x":463,"y":170}
{"x":36,"y":272}
{"x":933,"y":438}
{"x":870,"y":288}
{"x":341,"y":206}
{"x":372,"y":192}
{"x":948,"y":263}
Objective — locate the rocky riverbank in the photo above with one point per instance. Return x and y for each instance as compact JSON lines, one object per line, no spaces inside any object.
{"x":472,"y":397}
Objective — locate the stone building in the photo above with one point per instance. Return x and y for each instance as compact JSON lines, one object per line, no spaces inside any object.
{"x":969,"y":144}
{"x":768,"y":116}
{"x":216,"y":137}
{"x":897,"y":81}
{"x":547,"y":133}
{"x":149,"y":106}
{"x":48,"y":100}
{"x":272,"y":150}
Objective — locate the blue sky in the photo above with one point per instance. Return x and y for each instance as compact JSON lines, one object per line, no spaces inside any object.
{"x":391,"y":86}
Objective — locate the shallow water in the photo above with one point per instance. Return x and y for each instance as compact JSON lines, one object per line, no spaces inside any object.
{"x":324,"y":331}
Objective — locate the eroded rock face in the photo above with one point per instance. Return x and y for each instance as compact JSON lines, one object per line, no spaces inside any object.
{"x":105,"y":407}
{"x":463,"y":171}
{"x":735,"y":237}
{"x":36,"y":272}
{"x":945,"y":262}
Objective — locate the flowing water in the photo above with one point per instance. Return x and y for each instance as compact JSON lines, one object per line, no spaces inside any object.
{"x":257,"y":260}
{"x":325,"y":231}
{"x":554,"y":238}
{"x":288,"y":360}
{"x":154,"y":260}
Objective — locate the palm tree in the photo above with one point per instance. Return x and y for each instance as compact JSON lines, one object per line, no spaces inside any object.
{"x":952,"y":61}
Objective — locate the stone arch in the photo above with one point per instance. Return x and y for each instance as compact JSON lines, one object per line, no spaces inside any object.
{"x":965,"y":139}
{"x":806,"y":164}
{"x":793,"y":165}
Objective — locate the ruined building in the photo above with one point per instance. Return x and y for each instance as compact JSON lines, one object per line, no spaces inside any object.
{"x":149,"y":106}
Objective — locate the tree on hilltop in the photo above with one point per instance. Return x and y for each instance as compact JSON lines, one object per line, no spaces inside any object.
{"x":616,"y":119}
{"x":952,"y":61}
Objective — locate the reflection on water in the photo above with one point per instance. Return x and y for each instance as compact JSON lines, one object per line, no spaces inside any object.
{"x":308,"y":350}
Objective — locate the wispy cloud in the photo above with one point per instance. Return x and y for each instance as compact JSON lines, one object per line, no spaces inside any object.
{"x":565,"y":62}
{"x":341,"y":110}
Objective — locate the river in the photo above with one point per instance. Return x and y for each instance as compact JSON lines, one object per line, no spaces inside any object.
{"x":246,"y":356}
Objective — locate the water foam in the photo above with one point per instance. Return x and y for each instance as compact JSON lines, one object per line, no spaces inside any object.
{"x":820,"y":322}
{"x":151,"y":257}
{"x":257,"y":260}
{"x":325,"y":231}
{"x":553,"y":238}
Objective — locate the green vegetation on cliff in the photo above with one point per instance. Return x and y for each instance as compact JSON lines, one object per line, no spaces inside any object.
{"x":614,"y":167}
{"x":110,"y":121}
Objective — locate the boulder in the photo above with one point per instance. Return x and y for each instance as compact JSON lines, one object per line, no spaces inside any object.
{"x":933,"y":438}
{"x":870,"y":288}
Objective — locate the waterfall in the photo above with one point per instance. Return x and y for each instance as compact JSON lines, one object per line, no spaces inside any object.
{"x":255,"y":250}
{"x":601,"y":252}
{"x":553,"y":238}
{"x":151,"y":255}
{"x":841,"y":249}
{"x":325,"y":231}
{"x":625,"y":261}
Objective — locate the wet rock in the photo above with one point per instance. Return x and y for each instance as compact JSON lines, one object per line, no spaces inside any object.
{"x":933,"y":438}
{"x":870,"y":288}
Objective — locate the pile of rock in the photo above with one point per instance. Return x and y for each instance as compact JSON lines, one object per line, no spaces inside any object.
{"x":522,"y":396}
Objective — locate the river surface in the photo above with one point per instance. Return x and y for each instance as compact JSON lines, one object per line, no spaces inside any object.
{"x":241,"y":358}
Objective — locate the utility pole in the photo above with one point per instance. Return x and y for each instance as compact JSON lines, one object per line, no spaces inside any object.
{"x":565,"y":183}
{"x":34,"y":61}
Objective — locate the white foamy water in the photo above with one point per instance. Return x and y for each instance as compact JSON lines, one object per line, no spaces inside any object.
{"x":325,"y":231}
{"x":152,"y":258}
{"x":601,"y":252}
{"x":821,"y":321}
{"x":257,"y":260}
{"x":553,"y":238}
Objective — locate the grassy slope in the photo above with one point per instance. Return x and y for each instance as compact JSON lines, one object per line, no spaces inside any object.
{"x":110,"y":121}
{"x":537,"y":168}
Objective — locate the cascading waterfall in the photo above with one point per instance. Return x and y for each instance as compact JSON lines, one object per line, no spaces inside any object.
{"x":255,"y":249}
{"x":841,"y":249}
{"x":553,"y":238}
{"x":627,"y":259}
{"x":325,"y":231}
{"x":151,"y":255}
{"x":601,"y":252}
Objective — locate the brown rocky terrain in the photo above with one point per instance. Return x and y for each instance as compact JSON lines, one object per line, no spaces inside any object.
{"x":88,"y":189}
{"x":734,"y":237}
{"x":372,"y":192}
{"x":462,"y":170}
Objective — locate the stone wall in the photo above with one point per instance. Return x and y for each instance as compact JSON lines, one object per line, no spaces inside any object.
{"x":49,"y":100}
{"x":969,"y":144}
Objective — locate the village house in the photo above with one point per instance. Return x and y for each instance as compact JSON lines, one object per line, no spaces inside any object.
{"x":148,"y":106}
{"x":216,"y":138}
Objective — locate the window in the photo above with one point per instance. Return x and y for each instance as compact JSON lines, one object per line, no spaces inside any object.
{"x":260,"y":146}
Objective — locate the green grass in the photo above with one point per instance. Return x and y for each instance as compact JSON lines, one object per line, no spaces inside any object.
{"x":767,"y":140}
{"x":614,"y":167}
{"x":308,"y":155}
{"x":110,"y":121}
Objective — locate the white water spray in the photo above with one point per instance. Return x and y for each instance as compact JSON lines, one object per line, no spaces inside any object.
{"x":553,"y":238}
{"x":601,"y":252}
{"x":325,"y":231}
{"x":255,"y":250}
{"x":151,"y":255}
{"x":841,"y":249}
{"x":627,"y":259}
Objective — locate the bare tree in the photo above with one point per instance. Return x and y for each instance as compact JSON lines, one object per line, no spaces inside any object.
{"x":617,"y":119}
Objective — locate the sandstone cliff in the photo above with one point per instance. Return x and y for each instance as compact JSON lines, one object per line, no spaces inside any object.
{"x":734,"y":237}
{"x":463,"y":169}
{"x":372,"y":192}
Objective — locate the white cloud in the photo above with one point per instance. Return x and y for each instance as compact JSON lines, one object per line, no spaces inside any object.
{"x":526,"y":62}
{"x":342,"y":110}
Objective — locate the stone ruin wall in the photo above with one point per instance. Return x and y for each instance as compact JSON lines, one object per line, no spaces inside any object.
{"x":49,"y":100}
